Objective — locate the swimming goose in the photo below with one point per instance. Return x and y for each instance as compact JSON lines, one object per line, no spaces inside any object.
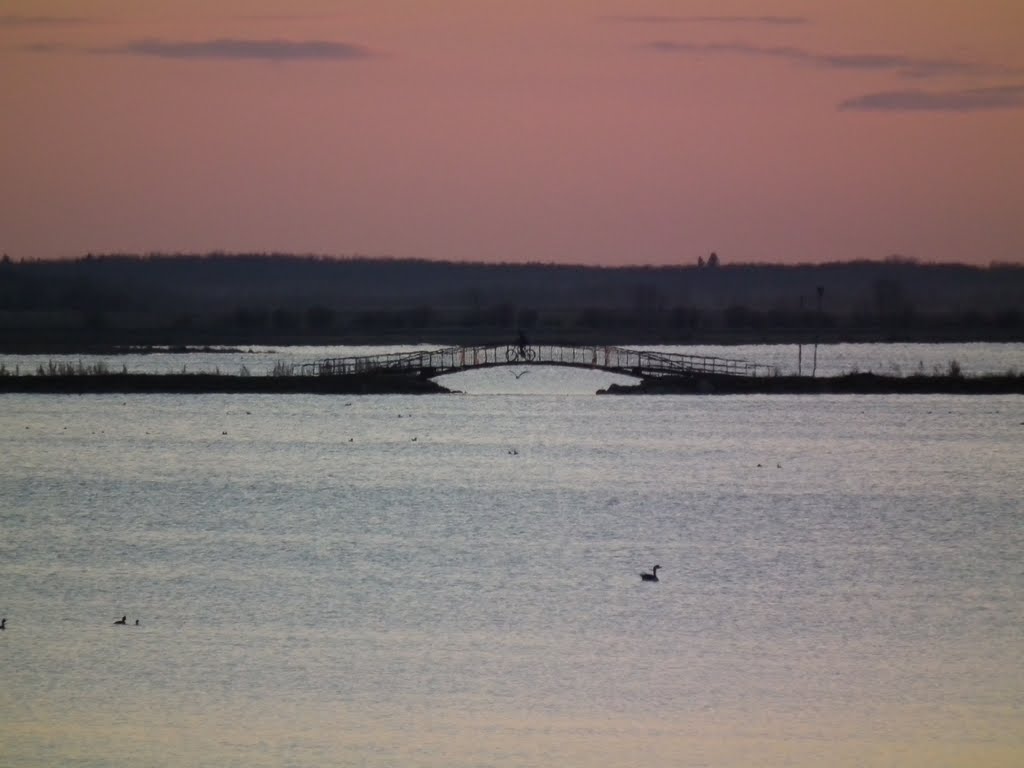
{"x":652,"y":576}
{"x":122,"y":620}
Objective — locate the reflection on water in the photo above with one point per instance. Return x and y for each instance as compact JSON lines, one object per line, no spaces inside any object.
{"x":438,"y":581}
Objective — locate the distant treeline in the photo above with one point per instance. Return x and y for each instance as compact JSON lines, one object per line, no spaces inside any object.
{"x":252,"y":296}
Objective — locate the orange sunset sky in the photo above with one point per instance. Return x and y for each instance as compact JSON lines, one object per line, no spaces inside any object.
{"x":600,"y":132}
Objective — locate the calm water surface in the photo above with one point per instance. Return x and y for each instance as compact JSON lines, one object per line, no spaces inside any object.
{"x":453,"y":580}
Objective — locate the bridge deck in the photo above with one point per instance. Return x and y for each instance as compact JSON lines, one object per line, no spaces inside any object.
{"x":632,"y":362}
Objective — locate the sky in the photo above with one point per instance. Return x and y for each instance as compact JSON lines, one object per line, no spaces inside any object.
{"x":599,"y":132}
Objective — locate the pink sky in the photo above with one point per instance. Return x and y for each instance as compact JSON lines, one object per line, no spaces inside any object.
{"x":574,"y":131}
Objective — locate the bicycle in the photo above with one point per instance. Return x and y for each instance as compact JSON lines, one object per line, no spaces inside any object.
{"x":516,"y":353}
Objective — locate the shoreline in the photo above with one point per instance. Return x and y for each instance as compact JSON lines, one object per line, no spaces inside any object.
{"x":216,"y":383}
{"x":147,"y":343}
{"x":846,"y":384}
{"x":388,"y":384}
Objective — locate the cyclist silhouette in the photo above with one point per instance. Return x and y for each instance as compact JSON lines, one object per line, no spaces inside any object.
{"x":520,"y":350}
{"x":523,"y":344}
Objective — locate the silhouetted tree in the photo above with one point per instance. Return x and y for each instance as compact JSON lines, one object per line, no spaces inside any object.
{"x":155,"y":290}
{"x":319,"y":318}
{"x":284,"y":319}
{"x":183,"y":321}
{"x":738,"y":317}
{"x":1010,"y":318}
{"x":684,"y":318}
{"x":422,"y":316}
{"x":250,"y":319}
{"x":95,"y":319}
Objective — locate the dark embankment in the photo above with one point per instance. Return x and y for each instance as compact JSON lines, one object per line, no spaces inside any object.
{"x":384,"y":384}
{"x":849,"y":384}
{"x":206,"y":383}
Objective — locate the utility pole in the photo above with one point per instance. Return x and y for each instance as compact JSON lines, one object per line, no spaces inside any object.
{"x":817,"y":331}
{"x":800,"y":342}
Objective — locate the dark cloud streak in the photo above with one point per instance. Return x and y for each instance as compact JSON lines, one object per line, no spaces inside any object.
{"x":907,"y":66}
{"x":45,"y":48}
{"x":10,"y":21}
{"x":651,"y":19}
{"x":962,"y":100}
{"x":237,"y":49}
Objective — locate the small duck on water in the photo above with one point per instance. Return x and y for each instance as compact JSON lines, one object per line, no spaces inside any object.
{"x":652,"y":576}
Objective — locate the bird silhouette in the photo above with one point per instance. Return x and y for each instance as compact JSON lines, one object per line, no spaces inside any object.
{"x":652,"y":576}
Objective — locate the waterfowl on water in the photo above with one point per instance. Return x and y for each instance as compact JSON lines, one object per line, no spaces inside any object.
{"x":122,"y":620}
{"x":3,"y":623}
{"x":652,"y":576}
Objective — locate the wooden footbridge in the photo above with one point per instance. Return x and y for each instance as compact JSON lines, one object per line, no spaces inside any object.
{"x":631,"y":362}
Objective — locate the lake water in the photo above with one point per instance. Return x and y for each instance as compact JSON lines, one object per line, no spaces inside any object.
{"x":453,"y":580}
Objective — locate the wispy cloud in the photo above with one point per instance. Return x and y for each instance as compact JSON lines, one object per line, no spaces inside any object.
{"x":235,"y":49}
{"x":10,"y":21}
{"x":653,"y":19}
{"x":46,"y":48}
{"x":276,"y":17}
{"x":961,"y":100}
{"x":908,"y":66}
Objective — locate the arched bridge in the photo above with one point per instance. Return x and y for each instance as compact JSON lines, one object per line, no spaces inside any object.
{"x":631,"y":362}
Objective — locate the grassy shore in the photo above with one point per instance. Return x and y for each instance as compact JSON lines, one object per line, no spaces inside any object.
{"x":101,"y":381}
{"x":209,"y":383}
{"x":848,"y":384}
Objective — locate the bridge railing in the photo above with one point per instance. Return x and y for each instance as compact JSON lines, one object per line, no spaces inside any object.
{"x":449,"y":359}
